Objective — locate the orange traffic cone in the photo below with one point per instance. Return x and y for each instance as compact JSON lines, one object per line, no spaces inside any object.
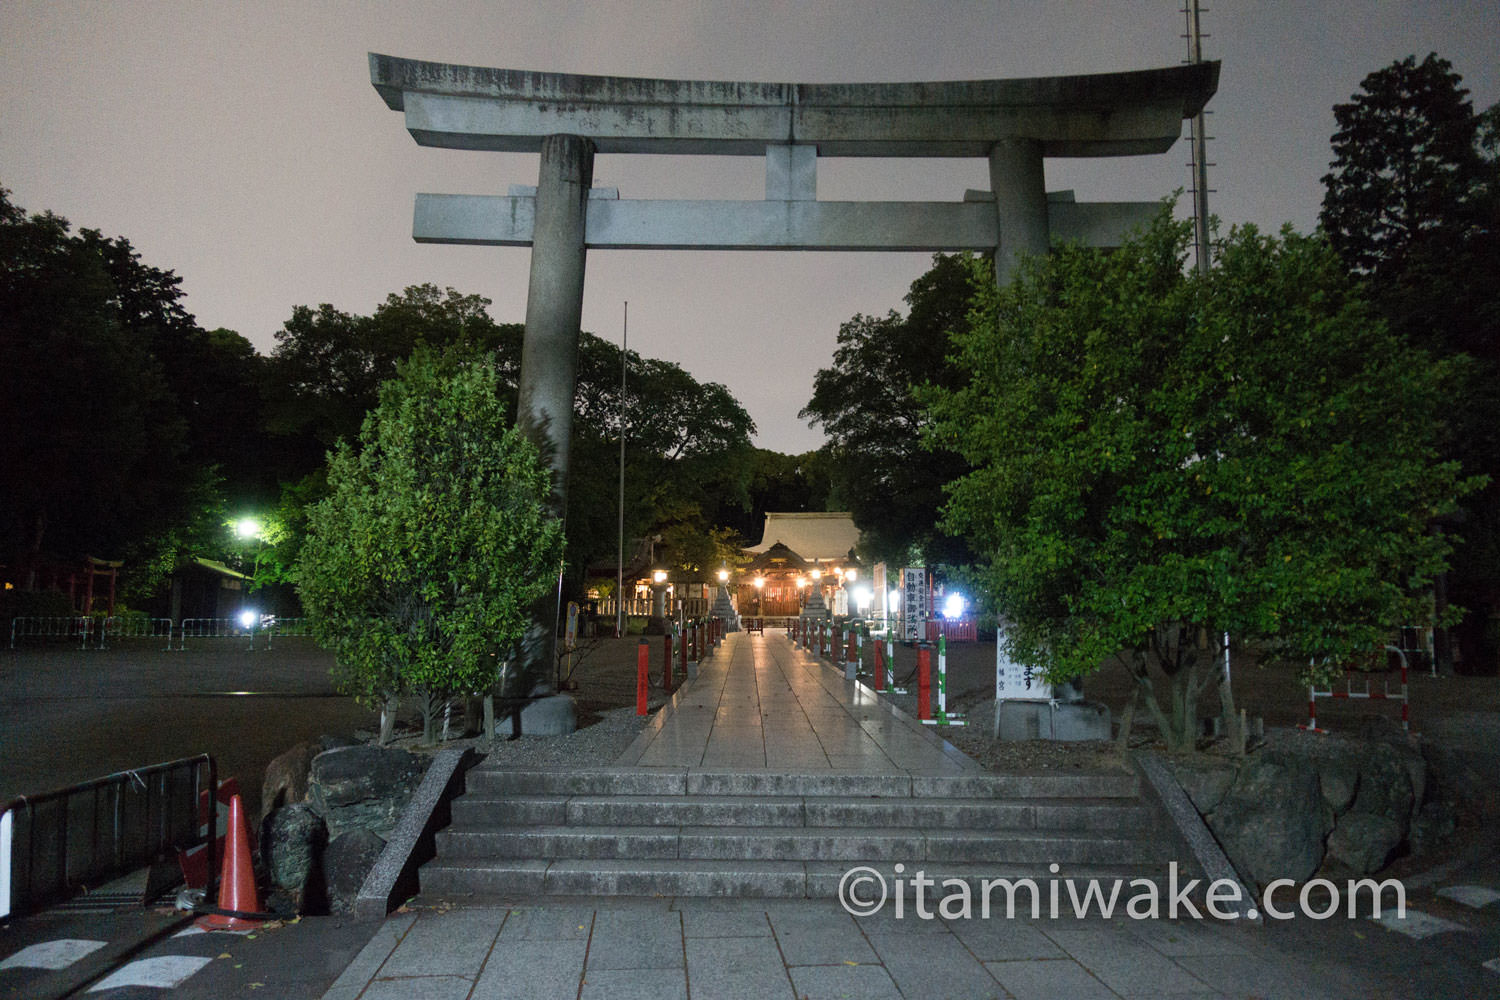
{"x":237,"y":878}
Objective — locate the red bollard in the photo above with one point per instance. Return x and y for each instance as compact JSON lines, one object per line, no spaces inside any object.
{"x":879,"y":664}
{"x":642,"y":667}
{"x":924,"y":682}
{"x":666,"y":659}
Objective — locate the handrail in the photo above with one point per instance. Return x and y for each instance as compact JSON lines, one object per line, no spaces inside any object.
{"x":53,"y":868}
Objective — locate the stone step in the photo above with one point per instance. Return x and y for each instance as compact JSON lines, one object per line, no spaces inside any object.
{"x":472,"y":811}
{"x":732,"y":844}
{"x":700,"y":781}
{"x":478,"y":881}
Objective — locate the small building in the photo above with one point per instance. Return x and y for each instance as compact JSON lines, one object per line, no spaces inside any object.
{"x":797,"y":552}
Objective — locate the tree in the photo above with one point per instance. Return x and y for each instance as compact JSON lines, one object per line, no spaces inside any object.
{"x":1412,"y":205}
{"x":419,"y":567}
{"x":328,"y":365}
{"x":777,"y":483}
{"x":867,"y":403}
{"x":95,"y":455}
{"x":685,"y":441}
{"x":687,"y":446}
{"x":1160,"y":458}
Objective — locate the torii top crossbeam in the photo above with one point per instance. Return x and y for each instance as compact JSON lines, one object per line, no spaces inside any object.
{"x":1104,"y":114}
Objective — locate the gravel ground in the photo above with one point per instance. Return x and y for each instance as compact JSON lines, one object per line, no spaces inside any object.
{"x":599,"y":743}
{"x":603,"y":674}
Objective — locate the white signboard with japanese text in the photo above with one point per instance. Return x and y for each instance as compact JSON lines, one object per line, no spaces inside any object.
{"x":1017,"y":681}
{"x":916,"y":603}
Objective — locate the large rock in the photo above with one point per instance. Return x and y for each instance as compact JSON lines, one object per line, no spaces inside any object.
{"x":1205,"y":779}
{"x":1338,"y":774}
{"x":556,"y":715}
{"x":1386,"y":788}
{"x":1364,"y":842}
{"x":346,"y":862}
{"x":292,"y":843}
{"x":285,"y":783}
{"x":1434,"y":824}
{"x":363,"y":788}
{"x":1272,"y":821}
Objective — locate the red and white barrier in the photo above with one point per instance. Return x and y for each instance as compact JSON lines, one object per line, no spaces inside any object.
{"x":1349,"y":693}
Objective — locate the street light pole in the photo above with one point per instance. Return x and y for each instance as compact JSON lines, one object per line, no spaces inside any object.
{"x":620,"y":571}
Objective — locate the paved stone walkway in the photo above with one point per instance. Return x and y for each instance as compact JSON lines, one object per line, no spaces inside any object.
{"x":801,"y":950}
{"x":759,"y":702}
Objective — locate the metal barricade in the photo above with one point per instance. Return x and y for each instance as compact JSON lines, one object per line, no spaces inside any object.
{"x":60,"y":627}
{"x":55,"y":843}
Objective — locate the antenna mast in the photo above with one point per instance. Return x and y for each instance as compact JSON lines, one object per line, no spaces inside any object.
{"x":1200,"y":163}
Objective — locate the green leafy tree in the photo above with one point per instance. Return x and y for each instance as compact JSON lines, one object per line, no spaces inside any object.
{"x":1412,"y":204}
{"x":419,"y":567}
{"x":685,"y":441}
{"x":328,"y":365}
{"x":777,"y":482}
{"x":867,"y":403}
{"x":1160,"y":458}
{"x":96,"y":448}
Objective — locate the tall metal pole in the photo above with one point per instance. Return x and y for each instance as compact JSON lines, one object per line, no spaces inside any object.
{"x":1200,"y":155}
{"x":620,"y":573}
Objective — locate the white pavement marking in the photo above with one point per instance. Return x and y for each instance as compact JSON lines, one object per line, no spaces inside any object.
{"x":1476,"y":896}
{"x":192,"y":929}
{"x":164,"y":972}
{"x":53,"y":955}
{"x":1417,"y":924}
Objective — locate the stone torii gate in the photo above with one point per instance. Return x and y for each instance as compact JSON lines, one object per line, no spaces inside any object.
{"x":567,"y":118}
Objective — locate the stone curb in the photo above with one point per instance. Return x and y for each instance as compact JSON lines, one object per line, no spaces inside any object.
{"x":393,"y":880}
{"x":1195,"y":833}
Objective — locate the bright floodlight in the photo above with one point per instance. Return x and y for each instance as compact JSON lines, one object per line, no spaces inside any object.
{"x":862,"y":597}
{"x":850,"y":575}
{"x":953,"y":606}
{"x":893,"y":600}
{"x":723,"y":575}
{"x":247,"y":527}
{"x":660,"y":576}
{"x":248,"y":618}
{"x":817,"y":574}
{"x":760,"y":582}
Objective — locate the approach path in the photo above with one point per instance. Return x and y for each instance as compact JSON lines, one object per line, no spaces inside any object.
{"x":761,"y":702}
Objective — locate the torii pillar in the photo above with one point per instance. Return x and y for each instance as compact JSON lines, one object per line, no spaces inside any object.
{"x":549,"y":352}
{"x":1016,"y":178}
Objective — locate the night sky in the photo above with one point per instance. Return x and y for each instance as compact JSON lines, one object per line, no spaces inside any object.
{"x":243,"y":147}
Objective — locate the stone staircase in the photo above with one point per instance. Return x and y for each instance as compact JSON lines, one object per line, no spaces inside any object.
{"x":697,"y":832}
